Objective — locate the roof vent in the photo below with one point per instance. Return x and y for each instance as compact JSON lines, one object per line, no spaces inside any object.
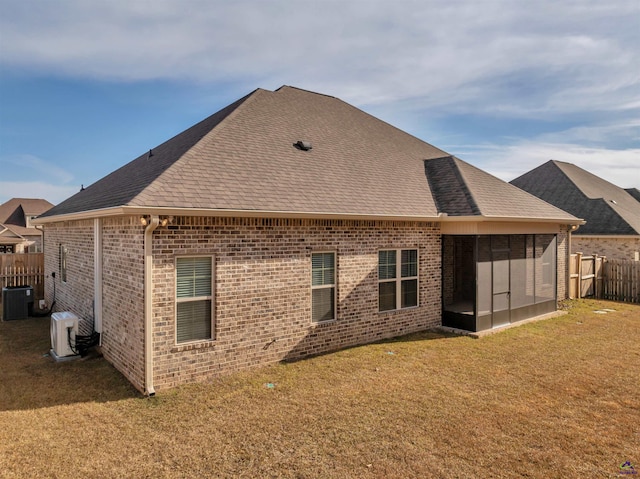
{"x":303,"y":145}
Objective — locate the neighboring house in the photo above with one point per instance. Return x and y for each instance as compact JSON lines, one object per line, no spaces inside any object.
{"x":17,"y":234}
{"x":635,"y":192}
{"x":612,"y":214}
{"x":288,"y":224}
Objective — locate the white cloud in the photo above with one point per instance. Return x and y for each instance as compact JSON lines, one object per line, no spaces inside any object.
{"x":572,"y":63}
{"x":467,"y":55}
{"x":30,"y":166}
{"x":27,"y":176}
{"x":54,"y":193}
{"x":620,"y":167}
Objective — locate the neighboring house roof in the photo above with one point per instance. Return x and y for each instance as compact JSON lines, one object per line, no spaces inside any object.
{"x":635,"y":192}
{"x":244,"y":159}
{"x":14,"y":213}
{"x":9,"y":236}
{"x":608,"y":209}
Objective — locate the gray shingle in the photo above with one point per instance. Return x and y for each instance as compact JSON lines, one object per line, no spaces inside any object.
{"x":635,"y":192}
{"x":607,"y":208}
{"x":244,"y":158}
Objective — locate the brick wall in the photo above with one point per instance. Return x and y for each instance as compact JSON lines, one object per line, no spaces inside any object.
{"x":612,"y":248}
{"x":262,"y":288}
{"x":563,"y":264}
{"x":123,"y":296}
{"x":263,"y":293}
{"x":76,"y":293}
{"x":122,"y":285}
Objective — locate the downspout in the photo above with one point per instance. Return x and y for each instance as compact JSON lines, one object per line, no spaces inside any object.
{"x":154,"y":221}
{"x":97,"y":277}
{"x":567,"y":273}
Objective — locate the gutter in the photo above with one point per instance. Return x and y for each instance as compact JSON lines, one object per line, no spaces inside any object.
{"x":607,"y":236}
{"x":444,"y":217}
{"x":171,"y":211}
{"x":227,"y":213}
{"x":154,"y":222}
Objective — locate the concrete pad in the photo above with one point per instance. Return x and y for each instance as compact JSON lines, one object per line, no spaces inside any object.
{"x":486,"y":332}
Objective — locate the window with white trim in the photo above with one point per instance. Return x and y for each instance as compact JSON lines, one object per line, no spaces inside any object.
{"x":323,"y":287}
{"x":397,"y":279}
{"x":194,"y":297}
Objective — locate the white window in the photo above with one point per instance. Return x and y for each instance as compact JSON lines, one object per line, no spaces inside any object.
{"x":323,"y":286}
{"x":397,"y":279}
{"x":194,"y":297}
{"x":64,"y":251}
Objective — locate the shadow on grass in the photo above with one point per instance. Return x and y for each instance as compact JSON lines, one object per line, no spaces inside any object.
{"x":301,"y":351}
{"x":31,"y":379}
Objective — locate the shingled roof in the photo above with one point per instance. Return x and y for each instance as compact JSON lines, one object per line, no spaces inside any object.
{"x":246,"y":159}
{"x":13,"y":214}
{"x":635,"y":192}
{"x":608,"y":209}
{"x":461,"y":189}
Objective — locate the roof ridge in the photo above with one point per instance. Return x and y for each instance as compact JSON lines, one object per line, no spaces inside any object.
{"x":216,"y":129}
{"x":304,"y":90}
{"x":449,"y":190}
{"x":129,"y":186}
{"x":613,"y":211}
{"x":465,"y":180}
{"x":569,"y":179}
{"x":368,"y":114}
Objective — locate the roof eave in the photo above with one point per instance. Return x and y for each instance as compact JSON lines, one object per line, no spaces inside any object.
{"x":608,"y":236}
{"x":511,"y":219}
{"x":173,"y":211}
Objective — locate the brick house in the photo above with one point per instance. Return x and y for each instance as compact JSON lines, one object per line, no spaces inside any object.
{"x":612,"y":214}
{"x":288,"y":224}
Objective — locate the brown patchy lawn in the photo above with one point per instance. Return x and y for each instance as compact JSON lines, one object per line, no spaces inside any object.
{"x":554,"y":399}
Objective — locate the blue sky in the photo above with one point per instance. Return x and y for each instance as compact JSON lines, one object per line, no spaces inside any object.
{"x":86,"y":86}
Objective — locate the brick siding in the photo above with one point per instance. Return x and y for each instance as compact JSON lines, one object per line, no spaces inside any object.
{"x":563,"y":264}
{"x":123,"y":296}
{"x":612,"y":248}
{"x":262,"y":294}
{"x":122,"y":285}
{"x":76,"y":293}
{"x":263,"y":290}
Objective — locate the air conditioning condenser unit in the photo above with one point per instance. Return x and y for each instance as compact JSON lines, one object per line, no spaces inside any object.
{"x":64,"y":327}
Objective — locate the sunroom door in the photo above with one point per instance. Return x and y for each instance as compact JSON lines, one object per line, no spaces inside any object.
{"x":501,"y":279}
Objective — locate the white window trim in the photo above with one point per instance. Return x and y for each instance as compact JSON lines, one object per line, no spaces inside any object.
{"x":334,"y":285}
{"x":197,"y":298}
{"x":399,"y":278}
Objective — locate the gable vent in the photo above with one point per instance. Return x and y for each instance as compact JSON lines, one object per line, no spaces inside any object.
{"x":303,"y":145}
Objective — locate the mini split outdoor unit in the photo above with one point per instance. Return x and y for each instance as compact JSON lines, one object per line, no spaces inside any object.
{"x":61,"y":323}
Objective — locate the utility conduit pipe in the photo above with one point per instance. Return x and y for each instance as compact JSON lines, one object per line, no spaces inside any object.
{"x":154,"y":222}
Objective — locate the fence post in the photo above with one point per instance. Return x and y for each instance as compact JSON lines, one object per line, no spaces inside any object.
{"x":579,"y":265}
{"x":596,"y":264}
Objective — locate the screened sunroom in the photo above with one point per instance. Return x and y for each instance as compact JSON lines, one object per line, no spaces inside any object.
{"x":491,"y":281}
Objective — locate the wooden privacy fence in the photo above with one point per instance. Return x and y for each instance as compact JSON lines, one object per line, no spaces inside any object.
{"x":621,"y":280}
{"x":602,"y":278}
{"x":23,"y":269}
{"x":585,"y":275}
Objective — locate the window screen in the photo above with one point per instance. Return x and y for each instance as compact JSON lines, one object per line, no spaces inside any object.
{"x":323,"y":286}
{"x":194,"y":299}
{"x":397,"y":281}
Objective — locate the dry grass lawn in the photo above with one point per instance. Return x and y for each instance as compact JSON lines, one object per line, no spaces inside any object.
{"x":554,"y":399}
